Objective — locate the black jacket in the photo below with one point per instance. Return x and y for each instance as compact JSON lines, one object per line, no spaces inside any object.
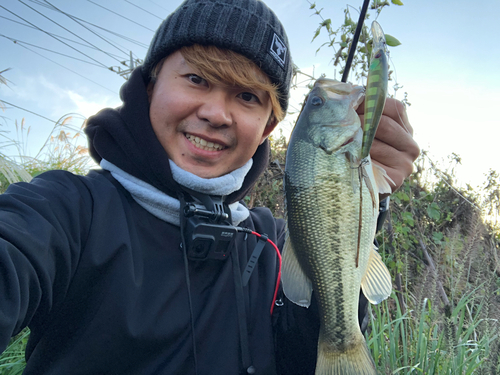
{"x":102,"y":283}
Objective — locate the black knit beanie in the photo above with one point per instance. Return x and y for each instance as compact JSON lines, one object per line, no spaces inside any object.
{"x":248,"y":27}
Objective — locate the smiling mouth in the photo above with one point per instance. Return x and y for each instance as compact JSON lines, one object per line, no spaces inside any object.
{"x":204,"y":145}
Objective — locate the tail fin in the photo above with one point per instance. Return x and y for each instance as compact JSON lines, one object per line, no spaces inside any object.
{"x":356,"y":360}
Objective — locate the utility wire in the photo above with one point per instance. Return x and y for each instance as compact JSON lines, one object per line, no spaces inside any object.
{"x":133,"y":41}
{"x":128,"y":19}
{"x":59,"y":36}
{"x":16,"y":41}
{"x":27,"y":110}
{"x":53,"y":36}
{"x":145,"y":46}
{"x":158,"y":5}
{"x":140,"y":44}
{"x":62,"y":66}
{"x":68,"y":15}
{"x":144,"y":10}
{"x":69,"y":31}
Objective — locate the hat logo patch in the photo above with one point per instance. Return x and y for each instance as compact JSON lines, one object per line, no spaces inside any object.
{"x":278,"y":50}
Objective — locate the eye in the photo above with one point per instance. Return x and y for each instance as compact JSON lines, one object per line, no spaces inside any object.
{"x":197,"y":80}
{"x":316,"y":101}
{"x":249,"y":97}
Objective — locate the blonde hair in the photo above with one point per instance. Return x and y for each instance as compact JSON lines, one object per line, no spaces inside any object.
{"x":223,"y":65}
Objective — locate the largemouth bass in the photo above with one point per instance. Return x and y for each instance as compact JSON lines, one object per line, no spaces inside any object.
{"x":323,"y":202}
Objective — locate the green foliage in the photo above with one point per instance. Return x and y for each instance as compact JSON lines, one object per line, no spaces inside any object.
{"x":268,"y":190}
{"x":340,"y":39}
{"x":437,"y":242}
{"x":428,"y":341}
{"x":63,"y":149}
{"x":444,"y":320}
{"x":392,"y":41}
{"x":443,"y":315}
{"x":12,"y":360}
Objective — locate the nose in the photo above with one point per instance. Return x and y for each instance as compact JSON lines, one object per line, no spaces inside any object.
{"x":215,"y":109}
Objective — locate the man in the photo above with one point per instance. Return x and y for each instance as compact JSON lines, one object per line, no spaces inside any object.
{"x":115,"y":272}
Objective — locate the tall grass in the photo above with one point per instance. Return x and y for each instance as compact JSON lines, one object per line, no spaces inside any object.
{"x":12,"y":360}
{"x":65,"y":148}
{"x":430,"y":341}
{"x":444,"y":318}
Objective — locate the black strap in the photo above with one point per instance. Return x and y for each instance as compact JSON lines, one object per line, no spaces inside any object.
{"x":188,"y":282}
{"x":242,"y":316}
{"x":253,"y":259}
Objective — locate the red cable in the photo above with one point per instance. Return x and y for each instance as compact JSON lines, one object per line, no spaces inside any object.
{"x":279,"y":270}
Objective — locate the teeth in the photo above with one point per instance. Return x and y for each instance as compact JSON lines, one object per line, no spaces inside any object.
{"x":204,"y":145}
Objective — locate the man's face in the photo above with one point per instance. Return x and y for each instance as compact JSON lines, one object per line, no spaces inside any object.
{"x":206,"y":129}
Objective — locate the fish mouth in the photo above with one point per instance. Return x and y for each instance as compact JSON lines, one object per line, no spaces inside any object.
{"x":204,"y":144}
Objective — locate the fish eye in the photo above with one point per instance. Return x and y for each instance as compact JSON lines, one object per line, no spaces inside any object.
{"x":316,"y":100}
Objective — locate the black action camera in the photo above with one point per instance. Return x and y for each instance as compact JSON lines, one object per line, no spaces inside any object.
{"x":208,"y":234}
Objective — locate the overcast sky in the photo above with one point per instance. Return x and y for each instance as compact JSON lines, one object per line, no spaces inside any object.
{"x":447,"y":63}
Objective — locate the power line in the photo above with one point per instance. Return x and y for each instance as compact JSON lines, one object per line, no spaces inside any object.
{"x":128,"y":19}
{"x":158,"y":5}
{"x":59,"y":36}
{"x":68,"y":15}
{"x":43,"y":15}
{"x":144,"y":10}
{"x":52,"y":35}
{"x":133,"y":41}
{"x":140,"y":44}
{"x":27,"y":110}
{"x":16,"y":41}
{"x":126,"y":38}
{"x":62,"y":66}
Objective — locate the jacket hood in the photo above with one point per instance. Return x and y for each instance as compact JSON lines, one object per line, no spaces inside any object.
{"x":124,"y":136}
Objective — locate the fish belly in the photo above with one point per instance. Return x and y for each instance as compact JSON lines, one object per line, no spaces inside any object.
{"x":323,"y":221}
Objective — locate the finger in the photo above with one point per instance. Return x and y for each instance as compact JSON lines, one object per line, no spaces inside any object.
{"x":398,"y":164}
{"x":397,"y":111}
{"x":388,"y":155}
{"x":391,"y":133}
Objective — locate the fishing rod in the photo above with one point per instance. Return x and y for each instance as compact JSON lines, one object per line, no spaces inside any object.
{"x":354,"y":43}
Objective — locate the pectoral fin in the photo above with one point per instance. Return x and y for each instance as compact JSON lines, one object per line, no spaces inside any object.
{"x":376,"y":282}
{"x":382,"y":180}
{"x":296,"y":285}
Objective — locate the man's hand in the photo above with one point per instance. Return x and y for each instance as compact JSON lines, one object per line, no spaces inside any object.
{"x":393,"y":147}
